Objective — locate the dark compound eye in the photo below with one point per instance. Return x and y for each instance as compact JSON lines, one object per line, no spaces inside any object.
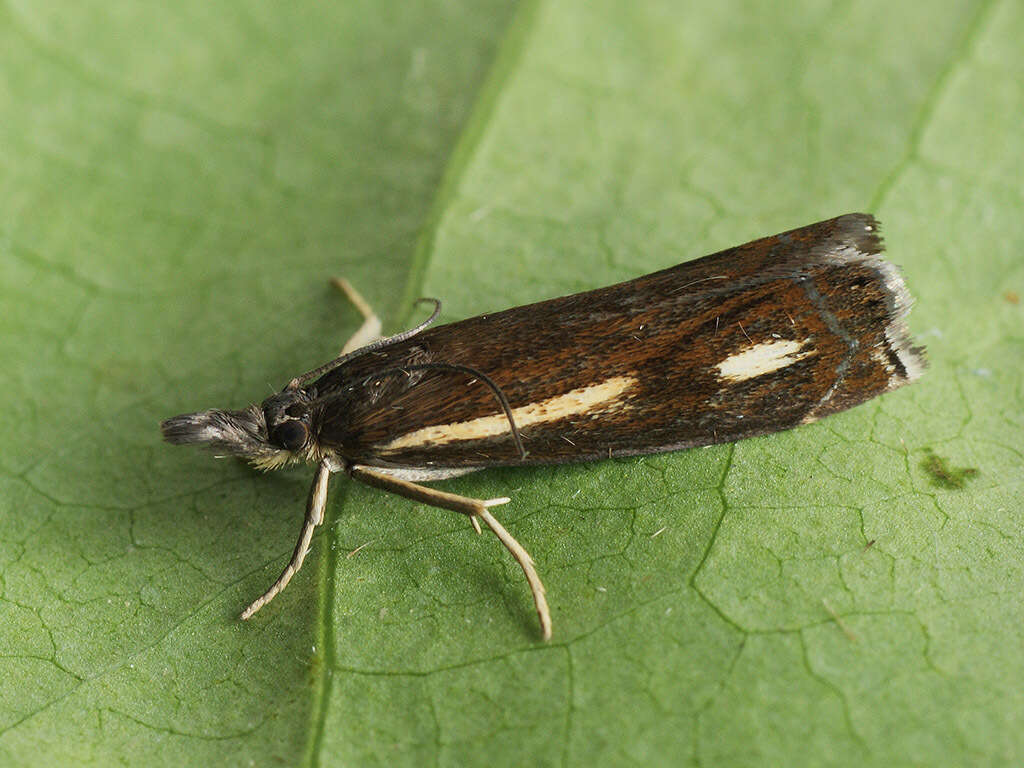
{"x":291,"y":435}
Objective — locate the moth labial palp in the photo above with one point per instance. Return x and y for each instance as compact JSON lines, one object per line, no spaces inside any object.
{"x":751,"y":340}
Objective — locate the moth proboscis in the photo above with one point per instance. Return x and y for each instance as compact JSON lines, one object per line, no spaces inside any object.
{"x":755,"y":339}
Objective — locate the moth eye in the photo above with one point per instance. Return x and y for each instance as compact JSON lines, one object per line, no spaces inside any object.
{"x":291,"y":435}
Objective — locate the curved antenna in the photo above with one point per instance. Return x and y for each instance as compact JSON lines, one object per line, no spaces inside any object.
{"x":466,"y":369}
{"x":373,"y":346}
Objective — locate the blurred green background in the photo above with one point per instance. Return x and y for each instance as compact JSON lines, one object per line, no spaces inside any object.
{"x":177,"y":184}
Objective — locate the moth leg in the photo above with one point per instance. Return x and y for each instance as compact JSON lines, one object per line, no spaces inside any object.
{"x":371,"y":328}
{"x":314,"y":516}
{"x":473,"y":508}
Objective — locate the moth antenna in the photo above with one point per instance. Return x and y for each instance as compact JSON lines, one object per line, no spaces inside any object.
{"x":387,"y":341}
{"x":470,"y":371}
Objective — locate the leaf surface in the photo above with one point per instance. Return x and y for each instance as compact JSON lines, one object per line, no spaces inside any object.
{"x":177,"y":184}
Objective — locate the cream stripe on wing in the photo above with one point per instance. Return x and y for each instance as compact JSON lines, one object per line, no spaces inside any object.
{"x":577,"y":402}
{"x":759,"y":359}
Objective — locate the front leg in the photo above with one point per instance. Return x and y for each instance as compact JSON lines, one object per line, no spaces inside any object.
{"x":314,"y":516}
{"x":473,"y":508}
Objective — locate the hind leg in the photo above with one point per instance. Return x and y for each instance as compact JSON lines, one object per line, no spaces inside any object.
{"x":370,"y":330}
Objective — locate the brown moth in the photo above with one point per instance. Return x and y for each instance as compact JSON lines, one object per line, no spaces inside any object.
{"x":751,"y":340}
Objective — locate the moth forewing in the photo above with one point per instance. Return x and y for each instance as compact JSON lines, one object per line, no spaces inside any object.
{"x":747,"y":341}
{"x":751,"y":340}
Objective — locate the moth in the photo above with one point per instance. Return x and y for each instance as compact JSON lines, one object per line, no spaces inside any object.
{"x":755,"y":339}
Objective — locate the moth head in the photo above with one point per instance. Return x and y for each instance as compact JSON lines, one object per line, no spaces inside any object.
{"x":268,"y":435}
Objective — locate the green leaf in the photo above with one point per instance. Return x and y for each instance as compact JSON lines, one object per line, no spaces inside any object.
{"x":176,"y":185}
